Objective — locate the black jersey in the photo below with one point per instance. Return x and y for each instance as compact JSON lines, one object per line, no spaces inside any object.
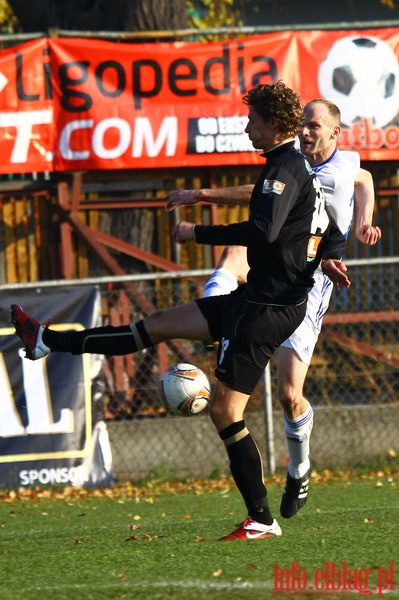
{"x":287,"y":220}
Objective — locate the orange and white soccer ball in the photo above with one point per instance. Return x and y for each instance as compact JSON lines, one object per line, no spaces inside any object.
{"x":186,"y":389}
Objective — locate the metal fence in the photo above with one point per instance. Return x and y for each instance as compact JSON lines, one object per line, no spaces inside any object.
{"x":353,"y":381}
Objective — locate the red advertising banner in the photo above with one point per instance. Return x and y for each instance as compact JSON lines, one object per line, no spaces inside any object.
{"x":68,"y":104}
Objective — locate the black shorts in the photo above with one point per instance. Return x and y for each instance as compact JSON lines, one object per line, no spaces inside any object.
{"x":248,"y":335}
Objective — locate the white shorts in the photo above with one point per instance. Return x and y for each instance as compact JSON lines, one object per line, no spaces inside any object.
{"x":304,"y":338}
{"x":220,"y":282}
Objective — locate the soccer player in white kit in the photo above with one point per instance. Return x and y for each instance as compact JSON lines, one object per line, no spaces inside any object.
{"x":346,"y":187}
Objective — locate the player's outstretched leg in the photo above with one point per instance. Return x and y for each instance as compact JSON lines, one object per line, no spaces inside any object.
{"x":39,"y":341}
{"x":31,"y":333}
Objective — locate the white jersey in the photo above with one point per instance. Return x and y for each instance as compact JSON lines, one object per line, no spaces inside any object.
{"x":337,"y":176}
{"x":219,"y":283}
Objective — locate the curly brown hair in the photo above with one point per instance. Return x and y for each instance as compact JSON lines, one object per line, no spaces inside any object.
{"x":275,"y":101}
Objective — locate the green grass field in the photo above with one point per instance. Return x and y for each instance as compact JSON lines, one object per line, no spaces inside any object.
{"x":160,"y":541}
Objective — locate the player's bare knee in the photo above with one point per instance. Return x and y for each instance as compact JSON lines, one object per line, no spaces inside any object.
{"x":290,"y":400}
{"x":154,"y":324}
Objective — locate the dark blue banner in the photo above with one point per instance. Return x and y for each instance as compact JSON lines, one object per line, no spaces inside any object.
{"x":46,"y":428}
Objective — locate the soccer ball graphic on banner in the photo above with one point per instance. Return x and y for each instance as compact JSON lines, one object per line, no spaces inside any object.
{"x":185,"y":389}
{"x":361,"y":76}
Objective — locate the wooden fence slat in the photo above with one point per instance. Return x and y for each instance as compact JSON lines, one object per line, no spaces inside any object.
{"x":32,"y":243}
{"x":9,"y":238}
{"x":3,"y":274}
{"x":21,"y":239}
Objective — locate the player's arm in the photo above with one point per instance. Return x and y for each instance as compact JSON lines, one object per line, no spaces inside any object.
{"x":240,"y":194}
{"x":364,"y":208}
{"x":331,"y":248}
{"x":233,"y":234}
{"x":335,"y":269}
{"x":263,"y":228}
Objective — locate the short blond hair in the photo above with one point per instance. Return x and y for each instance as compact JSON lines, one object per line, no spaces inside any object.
{"x":332,"y":109}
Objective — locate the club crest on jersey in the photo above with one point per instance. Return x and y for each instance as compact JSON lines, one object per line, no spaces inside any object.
{"x":273,"y":186}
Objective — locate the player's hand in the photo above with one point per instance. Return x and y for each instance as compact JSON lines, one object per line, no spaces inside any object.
{"x":367,"y":234}
{"x":183,"y":232}
{"x":336,"y":270}
{"x":181,"y":198}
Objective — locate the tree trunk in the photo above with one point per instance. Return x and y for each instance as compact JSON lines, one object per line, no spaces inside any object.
{"x":100,"y":15}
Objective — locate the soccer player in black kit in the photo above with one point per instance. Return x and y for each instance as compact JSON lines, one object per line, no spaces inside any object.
{"x":287,"y":234}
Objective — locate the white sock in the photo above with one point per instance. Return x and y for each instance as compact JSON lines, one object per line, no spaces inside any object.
{"x":297,"y":432}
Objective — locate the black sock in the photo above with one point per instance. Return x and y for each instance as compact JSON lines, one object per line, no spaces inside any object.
{"x":99,"y":340}
{"x":246,"y":469}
